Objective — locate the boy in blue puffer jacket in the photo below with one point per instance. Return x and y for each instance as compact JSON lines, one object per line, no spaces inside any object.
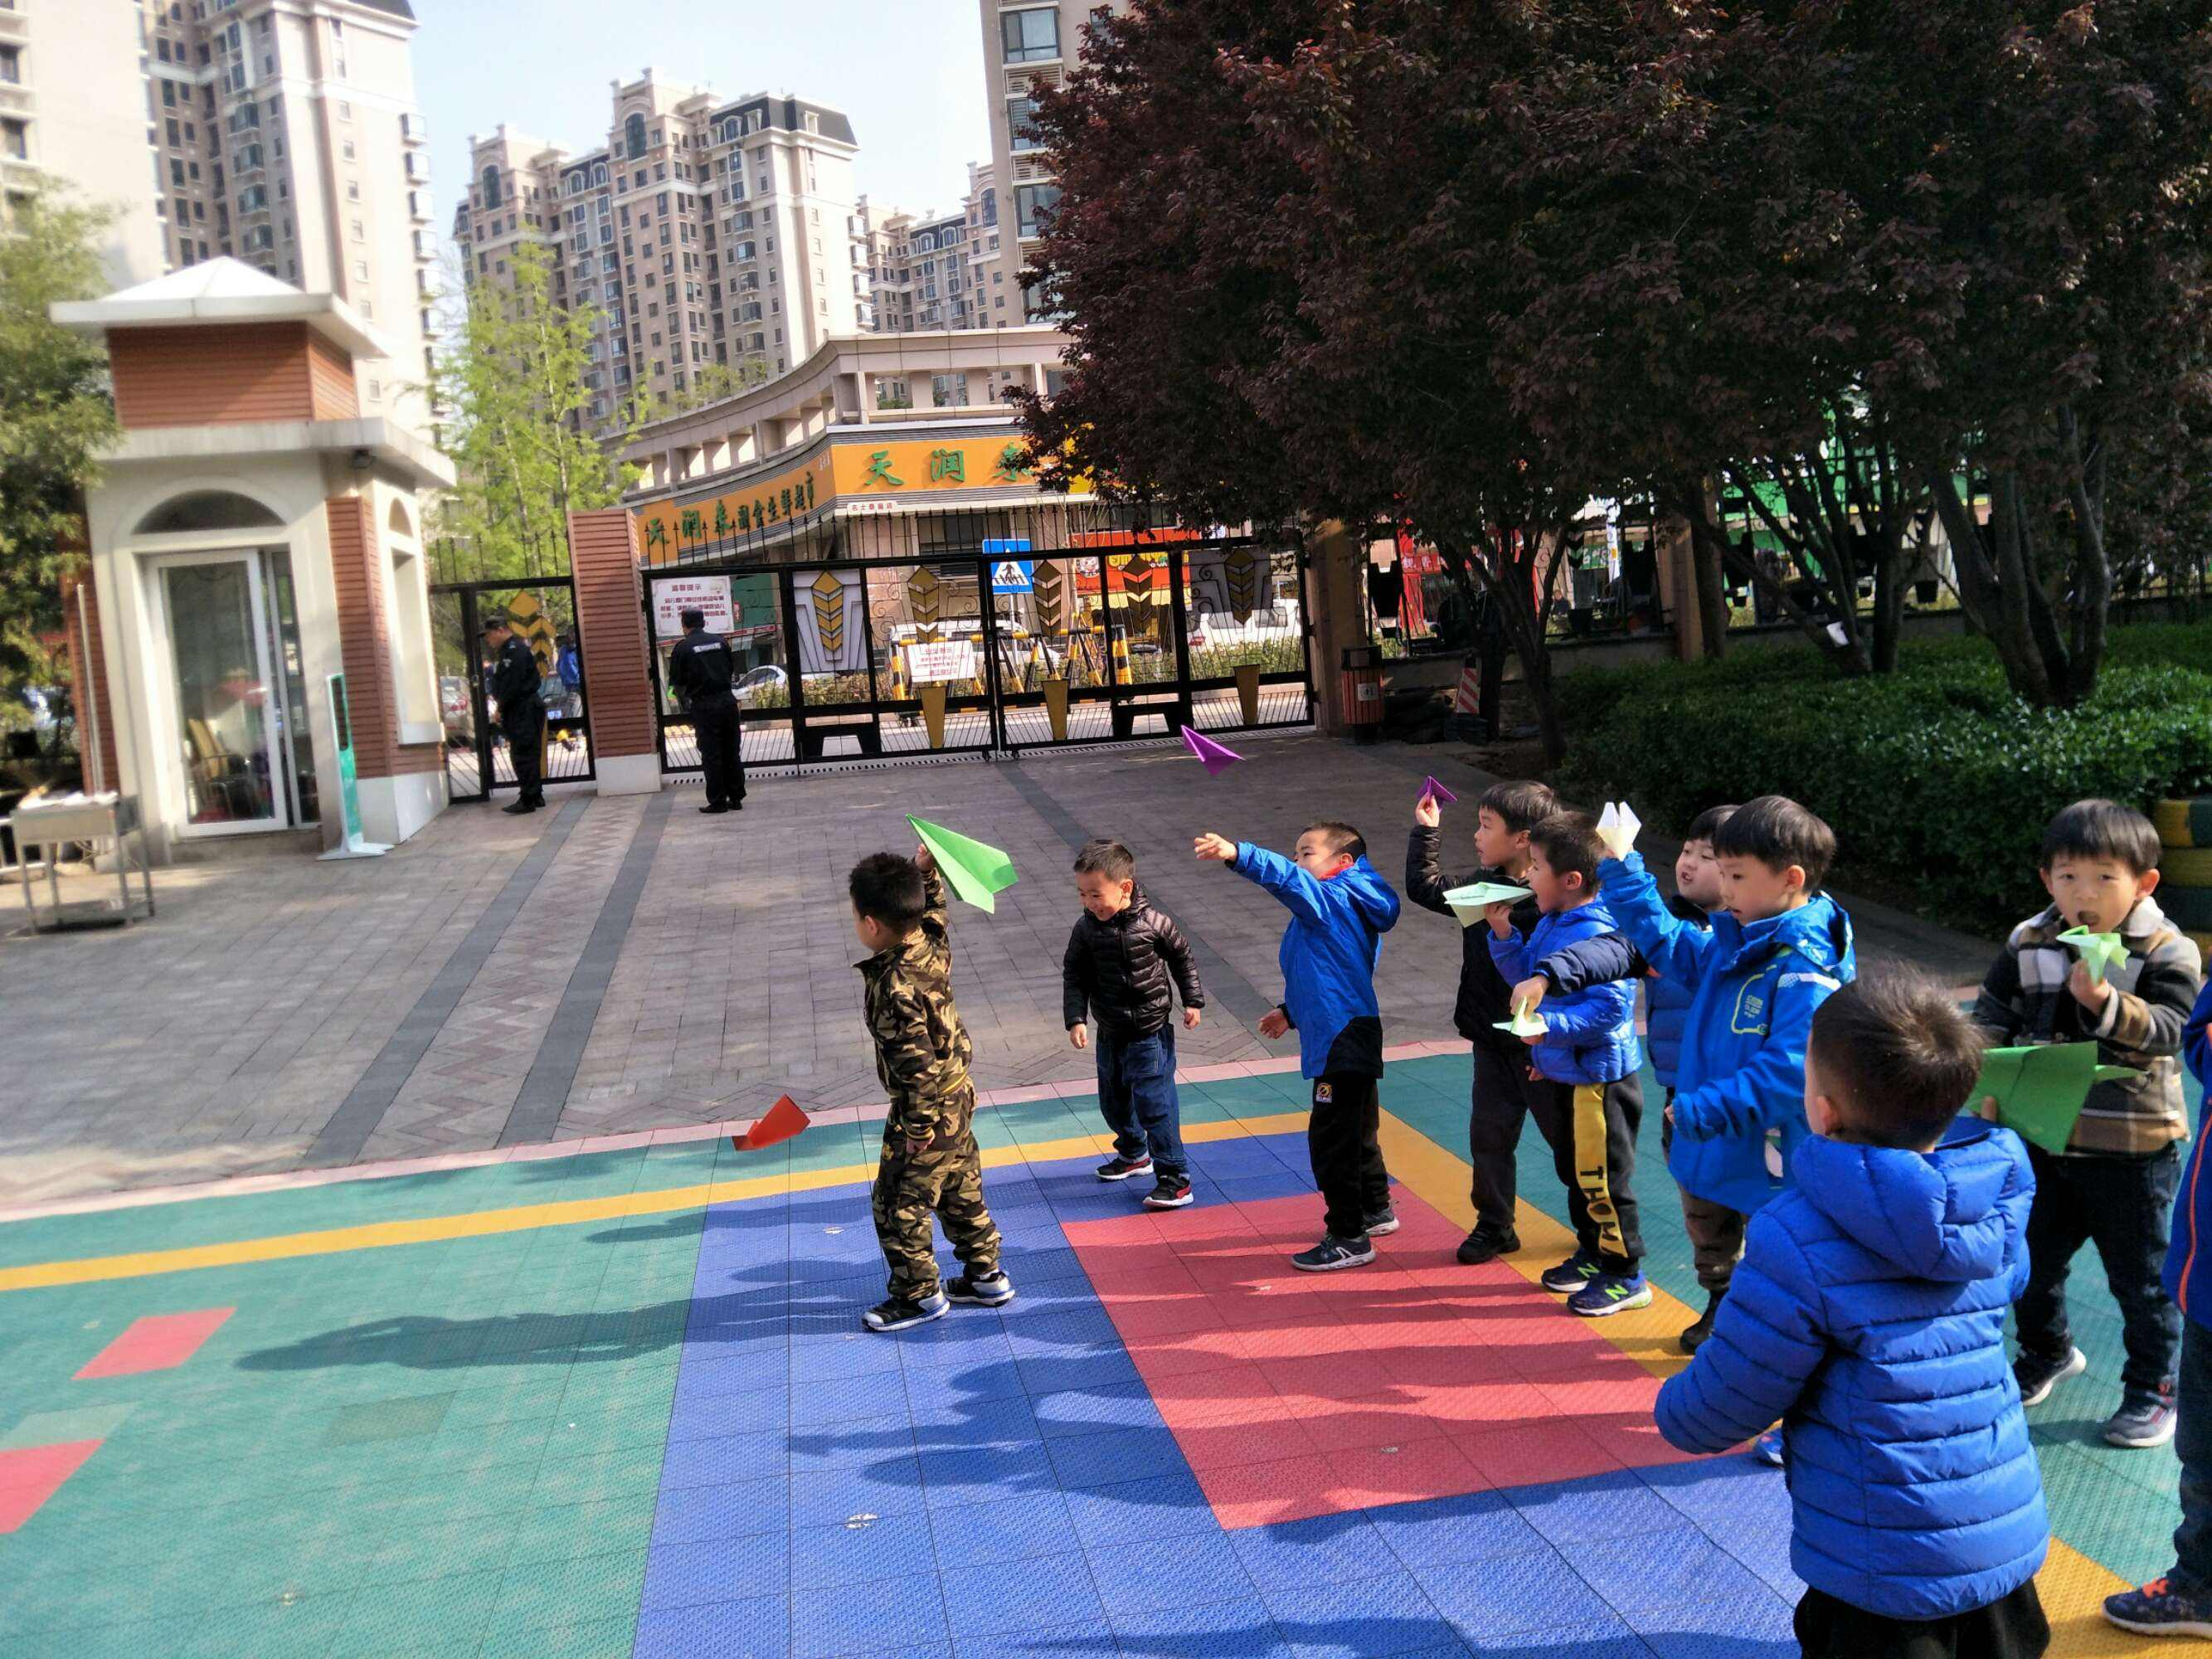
{"x":1868,"y":1314}
{"x":1586,"y":1097}
{"x":1339,"y":909}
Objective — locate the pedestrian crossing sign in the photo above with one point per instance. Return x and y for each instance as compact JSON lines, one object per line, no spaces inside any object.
{"x":1011,"y":576}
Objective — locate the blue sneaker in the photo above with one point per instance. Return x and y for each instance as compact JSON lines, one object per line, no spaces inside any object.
{"x":1767,"y":1449}
{"x":1610,"y":1293}
{"x":1333,"y":1252}
{"x":2159,"y":1609}
{"x":1570,"y":1276}
{"x":898,"y":1314}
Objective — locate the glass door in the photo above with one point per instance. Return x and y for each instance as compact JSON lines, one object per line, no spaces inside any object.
{"x":227,"y":735}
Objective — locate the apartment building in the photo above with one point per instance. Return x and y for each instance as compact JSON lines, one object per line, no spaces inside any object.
{"x":283,"y":133}
{"x":705,"y":231}
{"x":930,"y":270}
{"x":1026,"y":47}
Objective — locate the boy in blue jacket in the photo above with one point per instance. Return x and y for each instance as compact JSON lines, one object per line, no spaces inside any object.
{"x":1868,"y":1314}
{"x":2180,"y":1603}
{"x":1340,"y":909}
{"x":1587,"y":1100}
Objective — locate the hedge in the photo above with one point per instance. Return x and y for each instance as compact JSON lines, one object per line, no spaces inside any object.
{"x":1935,"y":778}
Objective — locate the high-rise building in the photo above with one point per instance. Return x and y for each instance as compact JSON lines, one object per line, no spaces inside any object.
{"x":1027,"y":45}
{"x":706,"y":231}
{"x":931,"y":270}
{"x":282,"y":132}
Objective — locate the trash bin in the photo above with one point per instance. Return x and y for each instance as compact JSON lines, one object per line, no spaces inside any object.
{"x":1362,"y":691}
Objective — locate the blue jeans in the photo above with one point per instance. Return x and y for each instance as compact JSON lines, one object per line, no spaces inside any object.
{"x":1137,"y":1097}
{"x":2192,"y":1444}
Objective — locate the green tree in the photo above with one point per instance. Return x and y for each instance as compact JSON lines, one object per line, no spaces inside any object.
{"x":55,"y":418}
{"x":515,"y":420}
{"x":709,"y":384}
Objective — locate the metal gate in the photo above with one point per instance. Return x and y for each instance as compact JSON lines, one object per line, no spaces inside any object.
{"x":541,"y":610}
{"x":1009,"y":651}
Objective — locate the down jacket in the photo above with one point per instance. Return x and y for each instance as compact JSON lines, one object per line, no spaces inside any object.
{"x":1589,"y":1033}
{"x":1329,"y":956}
{"x":1482,"y":994}
{"x":1666,"y":1001}
{"x":1128,"y":971}
{"x":2188,"y":1256}
{"x":1868,"y":1314}
{"x":1739,"y":1102}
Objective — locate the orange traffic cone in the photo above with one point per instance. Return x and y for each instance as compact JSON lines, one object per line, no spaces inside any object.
{"x":783,"y":1120}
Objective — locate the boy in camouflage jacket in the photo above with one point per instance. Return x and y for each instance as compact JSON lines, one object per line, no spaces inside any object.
{"x":930,"y":1163}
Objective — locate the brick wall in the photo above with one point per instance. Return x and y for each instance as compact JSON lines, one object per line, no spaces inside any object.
{"x":221,"y":374}
{"x":95,"y":718}
{"x":610,"y":622}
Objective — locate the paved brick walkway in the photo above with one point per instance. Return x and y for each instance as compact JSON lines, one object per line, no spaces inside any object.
{"x":623,"y":965}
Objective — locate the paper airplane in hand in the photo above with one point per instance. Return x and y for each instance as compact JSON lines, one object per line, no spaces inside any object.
{"x":1212,"y":755}
{"x":2098,"y":952}
{"x":976,"y":871}
{"x":2039,"y":1090}
{"x":1616,"y":827}
{"x":1468,"y":902}
{"x":1524,"y":1024}
{"x":781,"y":1122}
{"x":1431,"y":790}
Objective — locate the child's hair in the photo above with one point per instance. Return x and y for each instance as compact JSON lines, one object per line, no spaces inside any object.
{"x":1570,"y":844}
{"x":888,"y":889}
{"x":1105,"y":858}
{"x":2102,"y":829}
{"x":1777,"y":832}
{"x":1521,"y":804}
{"x":1897,"y":1056}
{"x":1707,"y":824}
{"x":1341,"y":837}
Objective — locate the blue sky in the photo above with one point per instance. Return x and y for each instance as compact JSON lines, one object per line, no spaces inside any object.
{"x":909,"y":73}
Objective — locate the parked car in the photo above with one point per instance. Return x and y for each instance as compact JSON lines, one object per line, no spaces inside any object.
{"x":767,"y":685}
{"x":453,"y":699}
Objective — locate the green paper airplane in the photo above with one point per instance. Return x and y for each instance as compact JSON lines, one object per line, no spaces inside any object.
{"x":1468,"y":903}
{"x":1523,"y":1023}
{"x":2098,"y":950}
{"x":2039,"y":1090}
{"x":976,"y":871}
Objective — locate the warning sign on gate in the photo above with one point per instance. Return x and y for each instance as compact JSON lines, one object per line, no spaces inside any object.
{"x":709,"y":595}
{"x":1011,"y":575}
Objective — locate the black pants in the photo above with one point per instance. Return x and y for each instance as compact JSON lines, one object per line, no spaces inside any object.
{"x":1591,"y":1130}
{"x":716,"y":725}
{"x":2125,"y":1207}
{"x":525,"y":748}
{"x":1341,"y":1139}
{"x":2013,"y":1628}
{"x":1500,"y":1105}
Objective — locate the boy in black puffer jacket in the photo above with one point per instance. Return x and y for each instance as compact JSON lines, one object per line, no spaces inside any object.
{"x":1125,"y":963}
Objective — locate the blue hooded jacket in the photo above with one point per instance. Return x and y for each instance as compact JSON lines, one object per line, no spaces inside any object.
{"x":1589,"y":1033}
{"x":2188,"y":1274}
{"x":1868,"y":1314}
{"x":1329,"y":956}
{"x":1740,"y":1089}
{"x":1666,"y":1001}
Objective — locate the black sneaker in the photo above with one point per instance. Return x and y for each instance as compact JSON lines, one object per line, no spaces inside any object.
{"x":1570,"y":1276}
{"x":1119,"y":1168}
{"x":897,"y":1314}
{"x":2161,"y":1609}
{"x":1692,"y":1336}
{"x":2143,"y":1419}
{"x":991,"y":1290}
{"x":518,"y":809}
{"x":1479,"y":1246}
{"x":2038,"y":1376}
{"x":1384,"y":1220}
{"x":1172,"y":1193}
{"x":717,"y":807}
{"x":1333,"y":1252}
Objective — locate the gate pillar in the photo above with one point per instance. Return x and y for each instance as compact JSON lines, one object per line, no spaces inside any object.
{"x":618,"y":661}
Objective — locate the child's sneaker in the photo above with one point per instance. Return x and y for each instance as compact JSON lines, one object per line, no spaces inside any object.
{"x":1611,"y":1293}
{"x":2037,"y":1377}
{"x":1172,"y":1193}
{"x":2142,"y":1420}
{"x":1694,"y":1335}
{"x":897,"y":1314}
{"x":2159,"y":1609}
{"x":1479,"y":1246}
{"x":1333,"y":1253}
{"x":1767,"y":1449}
{"x":1384,"y":1220}
{"x":991,"y":1290}
{"x":1570,"y":1276}
{"x":1119,"y":1168}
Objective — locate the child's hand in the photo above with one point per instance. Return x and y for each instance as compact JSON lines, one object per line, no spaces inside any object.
{"x":1528,"y":995}
{"x":1274,"y":1022}
{"x":1500,"y":918}
{"x":1219,"y":848}
{"x":922,"y":861}
{"x":1988,"y":1109}
{"x":1080,"y":1036}
{"x":1190,"y":1018}
{"x":2091,"y":993}
{"x":1535,"y":1039}
{"x":1426,"y":813}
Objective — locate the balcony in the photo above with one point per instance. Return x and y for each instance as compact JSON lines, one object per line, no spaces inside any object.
{"x":418,"y":167}
{"x":14,"y":27}
{"x":413,"y":130}
{"x":418,"y":206}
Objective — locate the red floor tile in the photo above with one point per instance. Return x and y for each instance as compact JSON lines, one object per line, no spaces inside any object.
{"x":1536,"y":1454}
{"x":1260,"y":1494}
{"x":1263,"y":1439}
{"x":1403,"y":1472}
{"x":31,"y":1474}
{"x":155,"y":1342}
{"x":1379,"y":1420}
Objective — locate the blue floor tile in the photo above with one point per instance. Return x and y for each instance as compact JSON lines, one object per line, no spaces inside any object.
{"x":889,"y":1485}
{"x":899,"y":1615}
{"x":1007,"y":1529}
{"x":1328,"y":1549}
{"x":758,"y":1627}
{"x":1747,"y":1628}
{"x":1057,"y":1641}
{"x":716,"y":1570}
{"x":1472,"y":1526}
{"x":1044,"y":1590}
{"x":718,"y":1460}
{"x":1169,"y":1573}
{"x":895,"y":1549}
{"x":1367,"y":1619}
{"x":693,"y":1514}
{"x":1164,"y":1506}
{"x":1604,"y":1506}
{"x":977,"y":1474}
{"x":947,"y":1421}
{"x":1116,"y":1455}
{"x":1218,"y":1629}
{"x":1510,"y":1595}
{"x":1658,"y":1570}
{"x":1089,"y":1410}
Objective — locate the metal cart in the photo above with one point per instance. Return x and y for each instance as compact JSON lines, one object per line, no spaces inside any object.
{"x":50,"y":825}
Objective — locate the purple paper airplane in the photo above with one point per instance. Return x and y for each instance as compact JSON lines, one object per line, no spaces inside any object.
{"x":1436,"y":791}
{"x":1212,"y":754}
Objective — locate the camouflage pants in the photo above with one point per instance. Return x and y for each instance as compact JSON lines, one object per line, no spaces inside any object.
{"x":947,"y":1181}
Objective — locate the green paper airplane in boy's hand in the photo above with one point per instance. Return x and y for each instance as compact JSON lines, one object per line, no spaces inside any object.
{"x":1617,"y":826}
{"x":975,"y":872}
{"x":2098,"y":952}
{"x":1524,"y":1023}
{"x":2040,"y":1091}
{"x":1468,"y":902}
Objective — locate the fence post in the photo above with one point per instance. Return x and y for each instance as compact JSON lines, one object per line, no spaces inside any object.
{"x":611,"y":638}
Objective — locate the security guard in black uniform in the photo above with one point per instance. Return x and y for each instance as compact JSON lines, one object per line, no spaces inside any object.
{"x":514,"y":682}
{"x":700,"y":667}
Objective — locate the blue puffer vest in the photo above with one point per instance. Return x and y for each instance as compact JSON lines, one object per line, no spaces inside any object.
{"x":1590,"y":1035}
{"x":1667,"y":1005}
{"x":1868,"y":1314}
{"x":1327,"y":958}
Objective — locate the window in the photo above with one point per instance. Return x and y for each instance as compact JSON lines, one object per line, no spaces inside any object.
{"x":207,"y":509}
{"x":176,"y":174}
{"x":633,"y":138}
{"x":11,"y":65}
{"x":345,"y":111}
{"x":1033,"y":206}
{"x":361,"y":271}
{"x":1030,"y":37}
{"x":169,"y":94}
{"x":345,"y":149}
{"x":1021,"y":124}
